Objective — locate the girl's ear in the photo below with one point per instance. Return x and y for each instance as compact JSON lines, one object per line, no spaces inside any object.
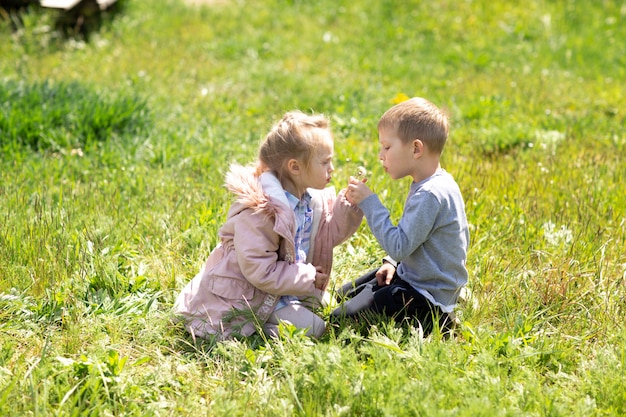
{"x":293,"y":166}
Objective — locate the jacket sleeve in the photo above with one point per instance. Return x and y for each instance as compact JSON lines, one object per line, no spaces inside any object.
{"x":340,"y":220}
{"x":257,"y":253}
{"x":344,"y":219}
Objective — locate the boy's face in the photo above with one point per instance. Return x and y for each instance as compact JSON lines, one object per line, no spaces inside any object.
{"x":397,"y":157}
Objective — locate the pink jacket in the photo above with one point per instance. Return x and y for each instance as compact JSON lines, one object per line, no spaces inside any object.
{"x":254,"y":264}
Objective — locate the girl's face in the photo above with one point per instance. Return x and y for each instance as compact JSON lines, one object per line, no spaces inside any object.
{"x":318,"y":174}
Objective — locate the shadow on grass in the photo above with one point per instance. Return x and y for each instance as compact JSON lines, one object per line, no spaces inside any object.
{"x":80,"y":21}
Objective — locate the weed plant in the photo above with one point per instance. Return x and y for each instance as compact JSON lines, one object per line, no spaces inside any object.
{"x":112,"y":157}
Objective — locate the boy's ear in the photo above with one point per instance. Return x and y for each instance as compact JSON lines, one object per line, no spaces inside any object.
{"x":418,"y":147}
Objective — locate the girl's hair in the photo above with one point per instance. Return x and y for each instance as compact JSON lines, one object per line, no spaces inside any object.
{"x":296,"y":135}
{"x":417,"y":118}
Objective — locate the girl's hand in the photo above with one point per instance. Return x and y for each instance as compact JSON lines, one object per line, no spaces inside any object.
{"x":384,"y":275}
{"x":321,"y":279}
{"x":357,"y":191}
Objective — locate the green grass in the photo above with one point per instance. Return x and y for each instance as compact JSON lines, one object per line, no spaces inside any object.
{"x":56,"y":117}
{"x":111,"y":197}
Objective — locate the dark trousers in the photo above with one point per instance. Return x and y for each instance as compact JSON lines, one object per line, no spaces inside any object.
{"x":399,"y":300}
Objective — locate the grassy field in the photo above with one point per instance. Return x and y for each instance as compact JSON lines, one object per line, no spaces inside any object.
{"x":112,"y":156}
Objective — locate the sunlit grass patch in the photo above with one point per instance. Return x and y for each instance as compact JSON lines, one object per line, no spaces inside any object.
{"x":112,"y":198}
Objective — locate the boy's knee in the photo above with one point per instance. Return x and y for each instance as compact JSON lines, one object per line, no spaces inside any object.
{"x":384,"y":299}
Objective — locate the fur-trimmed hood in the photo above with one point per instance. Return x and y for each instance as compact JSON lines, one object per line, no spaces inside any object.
{"x":260,"y":193}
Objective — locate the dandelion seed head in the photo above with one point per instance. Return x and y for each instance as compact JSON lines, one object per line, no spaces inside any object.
{"x":557,"y":236}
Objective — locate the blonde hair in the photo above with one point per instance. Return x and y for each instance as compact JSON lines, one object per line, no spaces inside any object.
{"x":417,"y":118}
{"x":295,"y":135}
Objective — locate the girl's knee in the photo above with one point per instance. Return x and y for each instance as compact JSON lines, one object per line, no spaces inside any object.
{"x":317,"y":328}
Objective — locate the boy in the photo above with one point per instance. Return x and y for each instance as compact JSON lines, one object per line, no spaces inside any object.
{"x":431,"y":239}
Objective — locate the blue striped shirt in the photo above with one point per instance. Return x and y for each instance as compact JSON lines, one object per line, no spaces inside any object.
{"x":304,"y":222}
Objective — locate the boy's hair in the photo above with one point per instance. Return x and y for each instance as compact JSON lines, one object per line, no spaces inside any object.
{"x":295,"y":135}
{"x":417,"y":118}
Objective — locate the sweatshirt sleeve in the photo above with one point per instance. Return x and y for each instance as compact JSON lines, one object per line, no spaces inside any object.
{"x":418,"y":218}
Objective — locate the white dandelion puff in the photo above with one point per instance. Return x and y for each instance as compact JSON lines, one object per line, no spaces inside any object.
{"x":557,"y":236}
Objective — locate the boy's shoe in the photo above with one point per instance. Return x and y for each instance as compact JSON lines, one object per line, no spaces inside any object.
{"x":362,"y":301}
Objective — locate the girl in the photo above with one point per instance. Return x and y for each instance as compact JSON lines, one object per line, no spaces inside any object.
{"x":276,"y":246}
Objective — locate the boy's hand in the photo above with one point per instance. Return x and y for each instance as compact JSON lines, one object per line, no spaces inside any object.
{"x":357,"y":191}
{"x":384,"y":274}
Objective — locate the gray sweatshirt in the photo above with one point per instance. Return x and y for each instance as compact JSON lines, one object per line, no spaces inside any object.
{"x":431,"y":239}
